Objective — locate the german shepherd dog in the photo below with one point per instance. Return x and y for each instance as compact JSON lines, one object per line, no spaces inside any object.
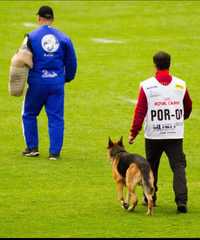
{"x":130,"y":170}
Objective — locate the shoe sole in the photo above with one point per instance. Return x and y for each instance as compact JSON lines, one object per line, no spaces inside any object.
{"x":32,"y":154}
{"x":179,"y":212}
{"x":53,"y":158}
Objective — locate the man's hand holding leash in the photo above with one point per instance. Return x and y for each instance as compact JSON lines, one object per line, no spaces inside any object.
{"x":130,"y":139}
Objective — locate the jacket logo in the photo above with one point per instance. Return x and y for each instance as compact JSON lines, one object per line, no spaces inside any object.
{"x":50,"y":43}
{"x":48,"y":74}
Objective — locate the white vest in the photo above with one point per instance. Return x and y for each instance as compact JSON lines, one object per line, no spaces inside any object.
{"x":165,"y":112}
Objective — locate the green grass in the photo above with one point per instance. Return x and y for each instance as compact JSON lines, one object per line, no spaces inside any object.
{"x":75,"y":197}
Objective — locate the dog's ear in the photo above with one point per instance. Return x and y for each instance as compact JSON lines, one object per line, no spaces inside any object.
{"x":110,"y":143}
{"x":120,"y":142}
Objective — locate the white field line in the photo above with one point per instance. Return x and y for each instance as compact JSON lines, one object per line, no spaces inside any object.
{"x":107,"y":40}
{"x":129,"y":100}
{"x":30,"y":25}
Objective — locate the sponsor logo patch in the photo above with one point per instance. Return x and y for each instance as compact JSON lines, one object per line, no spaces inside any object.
{"x":50,"y":43}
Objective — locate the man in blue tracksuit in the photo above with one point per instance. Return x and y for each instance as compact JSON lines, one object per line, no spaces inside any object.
{"x":54,"y":64}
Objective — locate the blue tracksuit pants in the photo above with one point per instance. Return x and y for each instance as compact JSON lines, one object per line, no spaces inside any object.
{"x":50,"y":96}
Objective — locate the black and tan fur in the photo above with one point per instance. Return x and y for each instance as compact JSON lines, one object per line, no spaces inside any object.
{"x":130,"y":170}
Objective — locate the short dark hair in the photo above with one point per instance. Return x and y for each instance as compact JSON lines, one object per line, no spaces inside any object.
{"x":162,"y":60}
{"x":46,"y":12}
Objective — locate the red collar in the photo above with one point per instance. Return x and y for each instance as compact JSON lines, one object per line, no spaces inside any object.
{"x":163,"y":77}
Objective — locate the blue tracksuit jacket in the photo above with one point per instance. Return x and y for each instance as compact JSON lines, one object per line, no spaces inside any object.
{"x":54,"y":63}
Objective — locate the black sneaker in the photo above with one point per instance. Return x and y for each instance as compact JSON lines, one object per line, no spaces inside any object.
{"x":181,"y":208}
{"x":53,"y":157}
{"x":31,"y":152}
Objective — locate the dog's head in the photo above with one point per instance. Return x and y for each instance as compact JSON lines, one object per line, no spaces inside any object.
{"x":115,"y":147}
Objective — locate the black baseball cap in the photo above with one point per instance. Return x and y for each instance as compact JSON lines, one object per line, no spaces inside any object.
{"x":46,"y":12}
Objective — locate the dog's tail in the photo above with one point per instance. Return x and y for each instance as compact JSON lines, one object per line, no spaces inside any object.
{"x":147,"y":178}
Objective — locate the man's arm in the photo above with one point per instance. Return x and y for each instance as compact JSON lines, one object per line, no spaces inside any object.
{"x":138,"y":115}
{"x":26,"y":44}
{"x":70,"y":61}
{"x":187,"y":103}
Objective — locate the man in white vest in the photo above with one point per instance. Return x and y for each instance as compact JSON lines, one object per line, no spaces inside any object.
{"x":163,"y":104}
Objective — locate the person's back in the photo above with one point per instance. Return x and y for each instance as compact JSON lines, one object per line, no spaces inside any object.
{"x":49,"y":47}
{"x":165,"y":115}
{"x":54,"y":64}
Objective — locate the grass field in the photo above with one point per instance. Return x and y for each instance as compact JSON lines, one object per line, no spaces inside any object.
{"x":75,"y":197}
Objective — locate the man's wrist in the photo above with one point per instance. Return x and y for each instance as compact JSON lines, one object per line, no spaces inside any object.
{"x":131,"y":132}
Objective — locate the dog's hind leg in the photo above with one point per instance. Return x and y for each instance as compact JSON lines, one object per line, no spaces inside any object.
{"x":120,"y":194}
{"x":149,"y":203}
{"x":133,"y":177}
{"x":149,"y":191}
{"x":132,"y":200}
